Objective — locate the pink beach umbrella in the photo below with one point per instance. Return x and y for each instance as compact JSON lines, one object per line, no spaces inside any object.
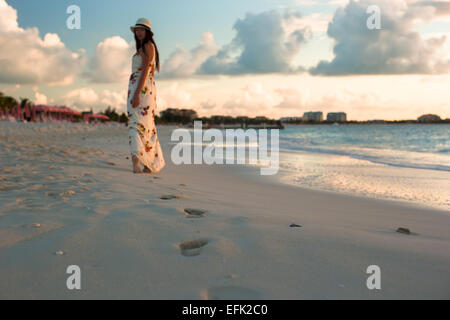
{"x":19,"y":112}
{"x":33,"y":114}
{"x":27,"y":110}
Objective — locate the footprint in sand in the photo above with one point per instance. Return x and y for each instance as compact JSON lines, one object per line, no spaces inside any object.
{"x":11,"y":170}
{"x":230,"y":293}
{"x":405,"y":231}
{"x":35,"y":187}
{"x":194,"y":213}
{"x":192,"y":248}
{"x":173,"y":196}
{"x":69,"y":192}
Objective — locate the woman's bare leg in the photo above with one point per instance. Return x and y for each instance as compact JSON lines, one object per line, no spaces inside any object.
{"x":147,"y":170}
{"x":136,"y":166}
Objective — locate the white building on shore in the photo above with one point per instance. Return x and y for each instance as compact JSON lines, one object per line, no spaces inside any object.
{"x":313,"y":116}
{"x":337,"y":117}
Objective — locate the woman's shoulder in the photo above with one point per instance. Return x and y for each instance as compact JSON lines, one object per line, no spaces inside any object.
{"x":149,"y":45}
{"x":149,"y":49}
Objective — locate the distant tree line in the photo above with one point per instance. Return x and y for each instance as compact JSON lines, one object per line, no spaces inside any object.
{"x":7,"y":102}
{"x":114,"y":116}
{"x":188,"y":116}
{"x":179,"y":116}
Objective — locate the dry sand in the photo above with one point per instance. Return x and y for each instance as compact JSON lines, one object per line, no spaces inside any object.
{"x":68,"y":197}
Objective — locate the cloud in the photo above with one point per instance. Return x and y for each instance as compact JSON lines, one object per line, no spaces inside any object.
{"x":10,"y":90}
{"x":175,"y":96}
{"x":39,"y":98}
{"x":264,"y":43}
{"x":25,"y":58}
{"x":442,"y":8}
{"x":253,"y":99}
{"x":395,"y":49}
{"x":182,"y":63}
{"x":112,"y":61}
{"x":85,"y":98}
{"x":292,"y":99}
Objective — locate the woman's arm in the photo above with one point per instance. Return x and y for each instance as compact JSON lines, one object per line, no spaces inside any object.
{"x":146,"y":58}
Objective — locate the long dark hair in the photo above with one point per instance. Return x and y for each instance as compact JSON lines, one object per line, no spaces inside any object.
{"x":148,"y":38}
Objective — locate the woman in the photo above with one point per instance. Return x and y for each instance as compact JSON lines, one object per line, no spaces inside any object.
{"x":141,"y":102}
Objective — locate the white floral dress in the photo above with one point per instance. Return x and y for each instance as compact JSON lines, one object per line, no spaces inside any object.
{"x":143,"y":137}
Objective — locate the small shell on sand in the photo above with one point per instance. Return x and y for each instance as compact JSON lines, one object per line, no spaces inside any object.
{"x":195,"y":213}
{"x":173,"y":196}
{"x":192,"y":248}
{"x":35,"y":187}
{"x":68,"y":192}
{"x":11,"y":170}
{"x":403,"y":230}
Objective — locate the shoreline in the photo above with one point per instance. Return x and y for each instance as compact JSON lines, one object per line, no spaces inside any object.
{"x":285,"y":177}
{"x":365,"y":190}
{"x":131,"y":244}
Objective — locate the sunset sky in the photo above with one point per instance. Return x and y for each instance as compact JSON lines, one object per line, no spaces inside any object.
{"x":235,"y":57}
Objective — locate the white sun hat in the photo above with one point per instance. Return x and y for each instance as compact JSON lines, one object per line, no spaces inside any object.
{"x":142,"y":22}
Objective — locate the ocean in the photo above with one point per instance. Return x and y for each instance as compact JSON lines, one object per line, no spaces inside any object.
{"x":405,"y":162}
{"x":408,"y":162}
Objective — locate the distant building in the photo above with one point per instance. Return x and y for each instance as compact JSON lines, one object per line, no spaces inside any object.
{"x":242,"y":119}
{"x":376,"y":121}
{"x":178,"y":115}
{"x":287,"y":119}
{"x":313,"y":116}
{"x":337,"y":117}
{"x":427,"y":118}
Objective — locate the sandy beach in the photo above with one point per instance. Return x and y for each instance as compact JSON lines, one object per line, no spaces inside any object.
{"x":68,"y":197}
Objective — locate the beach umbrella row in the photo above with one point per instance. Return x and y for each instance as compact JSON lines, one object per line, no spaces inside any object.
{"x":89,"y":116}
{"x":63,"y":110}
{"x":30,"y":112}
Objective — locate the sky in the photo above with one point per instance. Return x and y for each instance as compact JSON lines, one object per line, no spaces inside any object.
{"x":274,"y":58}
